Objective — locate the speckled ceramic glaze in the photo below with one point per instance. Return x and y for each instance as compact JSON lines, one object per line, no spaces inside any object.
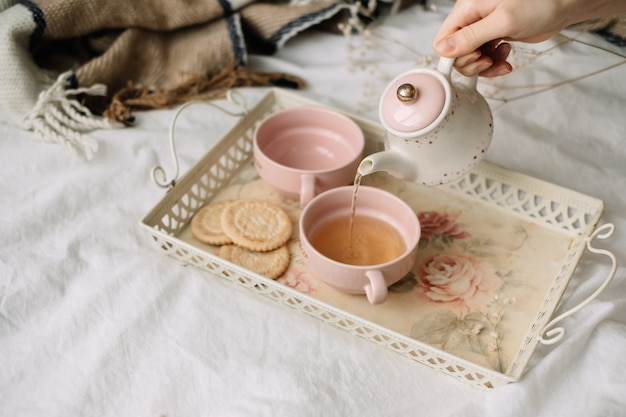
{"x":436,"y":136}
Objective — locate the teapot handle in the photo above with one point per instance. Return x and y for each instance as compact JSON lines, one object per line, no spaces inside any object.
{"x":445,"y":66}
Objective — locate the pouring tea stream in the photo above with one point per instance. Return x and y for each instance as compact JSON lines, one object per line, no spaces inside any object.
{"x":436,"y":130}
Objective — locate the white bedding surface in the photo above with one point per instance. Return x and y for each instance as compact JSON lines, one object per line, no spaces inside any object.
{"x":95,"y":321}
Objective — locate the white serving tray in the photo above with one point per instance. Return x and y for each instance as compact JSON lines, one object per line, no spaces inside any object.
{"x":513,"y":240}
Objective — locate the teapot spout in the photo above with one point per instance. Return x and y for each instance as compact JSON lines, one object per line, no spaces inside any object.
{"x":391,"y":162}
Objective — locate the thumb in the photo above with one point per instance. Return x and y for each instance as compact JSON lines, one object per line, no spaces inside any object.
{"x":467,"y":39}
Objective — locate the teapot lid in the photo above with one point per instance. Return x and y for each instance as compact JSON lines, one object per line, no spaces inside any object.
{"x":412,"y":102}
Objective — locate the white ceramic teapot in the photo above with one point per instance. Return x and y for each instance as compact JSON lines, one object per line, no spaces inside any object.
{"x":436,"y":131}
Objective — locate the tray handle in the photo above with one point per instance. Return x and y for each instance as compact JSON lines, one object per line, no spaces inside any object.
{"x":550,"y":336}
{"x":158,"y":171}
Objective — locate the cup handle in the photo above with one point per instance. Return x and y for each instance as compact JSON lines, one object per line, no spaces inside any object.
{"x":445,"y":66}
{"x":376,"y":290}
{"x":307,"y":189}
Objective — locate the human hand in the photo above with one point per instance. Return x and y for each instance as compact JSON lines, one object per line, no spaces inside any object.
{"x":474,"y":30}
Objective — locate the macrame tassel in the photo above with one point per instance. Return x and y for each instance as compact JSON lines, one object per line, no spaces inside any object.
{"x":58,"y":117}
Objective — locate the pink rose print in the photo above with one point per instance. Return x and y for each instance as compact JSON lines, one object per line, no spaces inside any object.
{"x":434,"y":223}
{"x":456,"y":278}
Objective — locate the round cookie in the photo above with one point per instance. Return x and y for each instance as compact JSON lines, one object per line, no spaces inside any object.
{"x":270,"y":264}
{"x":206,"y":225}
{"x":257,"y":225}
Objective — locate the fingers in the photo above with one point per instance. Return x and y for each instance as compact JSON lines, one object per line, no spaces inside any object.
{"x":490,"y":60}
{"x":467,"y":39}
{"x":472,"y":34}
{"x":465,"y":60}
{"x":473,"y":64}
{"x":466,"y":29}
{"x":497,"y":70}
{"x":498,"y":52}
{"x":463,"y":13}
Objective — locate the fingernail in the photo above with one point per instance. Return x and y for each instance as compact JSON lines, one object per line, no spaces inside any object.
{"x":446,"y":44}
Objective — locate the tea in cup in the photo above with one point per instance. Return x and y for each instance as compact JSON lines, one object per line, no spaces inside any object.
{"x":360,"y":252}
{"x":304,"y":151}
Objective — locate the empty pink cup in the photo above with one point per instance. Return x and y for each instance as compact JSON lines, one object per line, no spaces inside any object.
{"x":304,"y":151}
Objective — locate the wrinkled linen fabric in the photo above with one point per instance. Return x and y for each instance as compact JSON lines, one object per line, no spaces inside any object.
{"x":96,"y":321}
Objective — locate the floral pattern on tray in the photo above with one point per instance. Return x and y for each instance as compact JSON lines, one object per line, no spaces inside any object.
{"x":474,"y":278}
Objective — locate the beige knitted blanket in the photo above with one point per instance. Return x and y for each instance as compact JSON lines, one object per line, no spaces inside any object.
{"x":71,"y":66}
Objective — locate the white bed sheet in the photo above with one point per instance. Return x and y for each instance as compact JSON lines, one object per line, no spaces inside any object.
{"x":95,"y":321}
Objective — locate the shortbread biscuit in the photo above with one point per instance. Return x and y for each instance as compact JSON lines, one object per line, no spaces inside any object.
{"x":206,"y":225}
{"x":257,"y":225}
{"x":271,"y":264}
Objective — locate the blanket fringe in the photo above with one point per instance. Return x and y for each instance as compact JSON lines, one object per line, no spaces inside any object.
{"x":58,"y":117}
{"x":198,"y":88}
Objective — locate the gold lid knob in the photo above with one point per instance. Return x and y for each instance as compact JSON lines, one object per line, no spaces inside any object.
{"x":407,"y":93}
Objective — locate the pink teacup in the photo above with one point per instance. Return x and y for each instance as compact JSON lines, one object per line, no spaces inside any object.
{"x":385,"y":236}
{"x":304,"y":151}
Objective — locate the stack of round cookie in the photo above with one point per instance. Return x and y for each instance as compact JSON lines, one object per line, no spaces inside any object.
{"x":252,"y":233}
